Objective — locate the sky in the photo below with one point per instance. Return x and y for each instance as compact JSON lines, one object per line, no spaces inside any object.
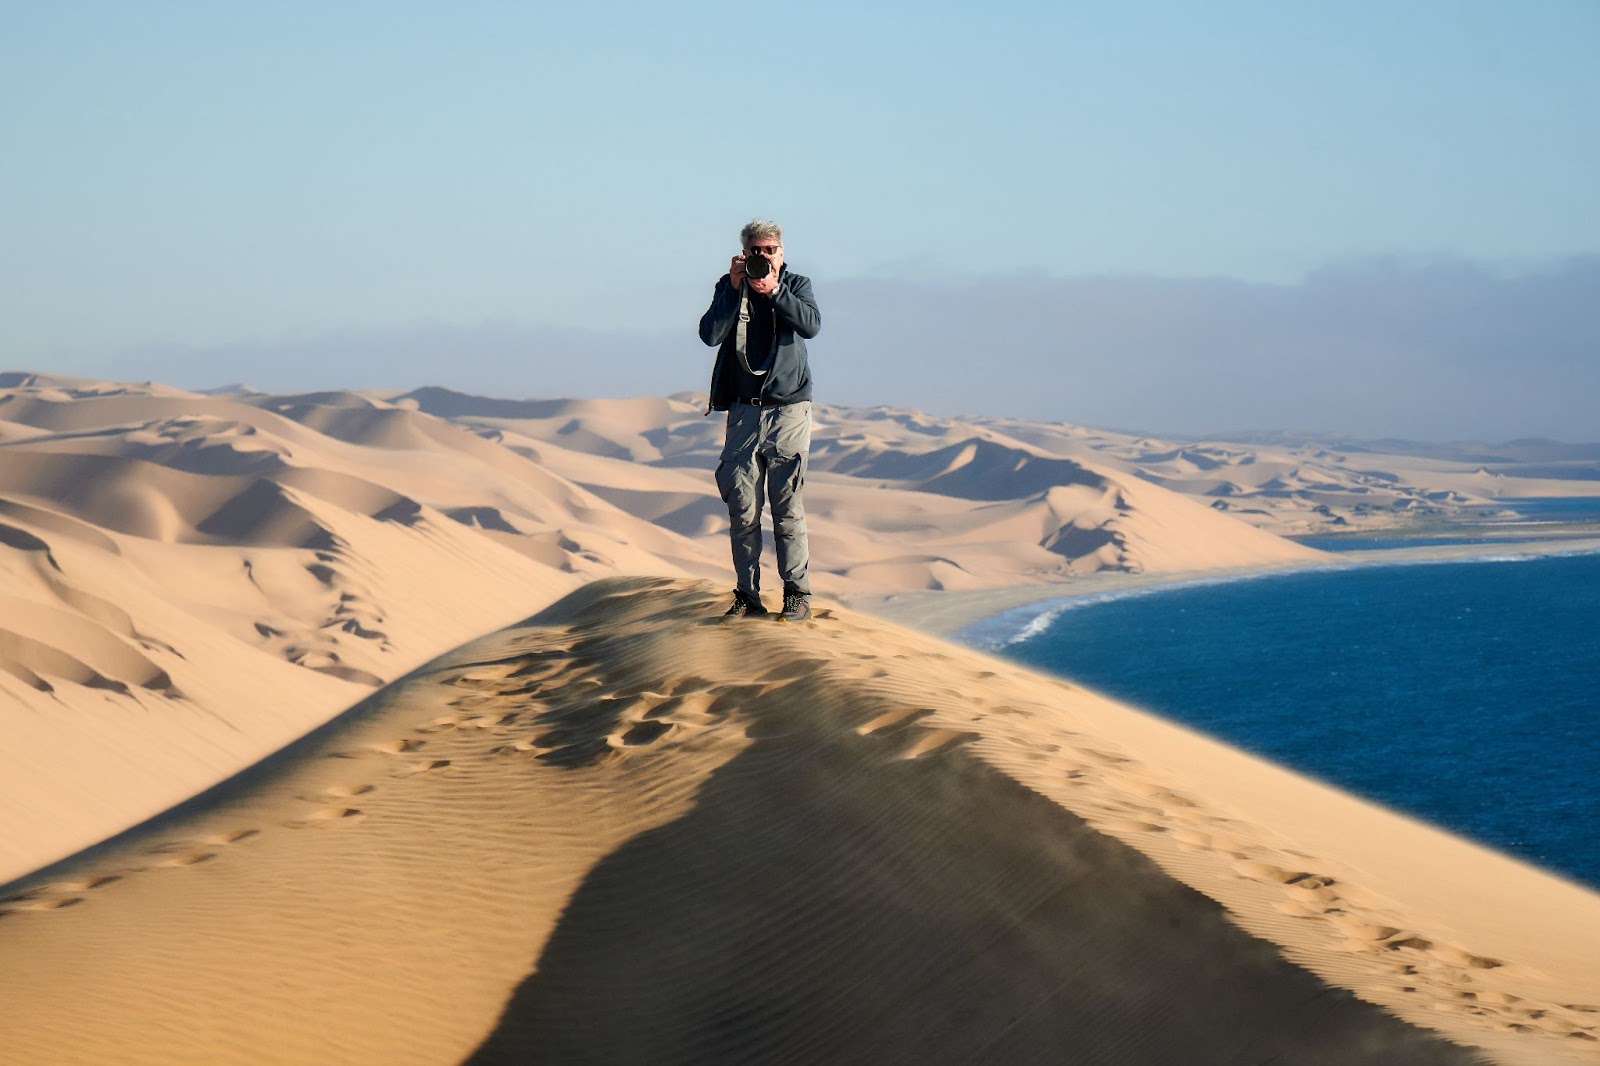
{"x":1372,"y":218}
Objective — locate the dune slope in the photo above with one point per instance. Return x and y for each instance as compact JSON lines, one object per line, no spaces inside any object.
{"x":624,"y":831}
{"x":189,"y":582}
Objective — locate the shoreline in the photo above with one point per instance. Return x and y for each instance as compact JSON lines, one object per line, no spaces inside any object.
{"x":948,"y":615}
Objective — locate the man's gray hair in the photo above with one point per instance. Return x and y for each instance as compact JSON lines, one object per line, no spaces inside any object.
{"x":759,"y":229}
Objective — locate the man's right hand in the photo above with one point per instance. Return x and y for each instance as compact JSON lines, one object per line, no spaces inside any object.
{"x":736,"y":272}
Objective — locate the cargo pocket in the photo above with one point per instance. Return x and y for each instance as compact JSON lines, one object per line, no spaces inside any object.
{"x":791,"y":438}
{"x":791,"y":448}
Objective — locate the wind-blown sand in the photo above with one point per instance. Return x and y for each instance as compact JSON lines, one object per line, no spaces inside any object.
{"x":624,"y":831}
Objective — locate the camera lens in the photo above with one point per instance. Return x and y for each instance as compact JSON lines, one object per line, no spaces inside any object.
{"x":757,"y":266}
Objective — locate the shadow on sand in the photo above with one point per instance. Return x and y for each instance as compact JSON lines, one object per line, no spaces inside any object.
{"x":828,"y":902}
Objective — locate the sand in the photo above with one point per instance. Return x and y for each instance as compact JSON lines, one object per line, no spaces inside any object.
{"x":620,"y":830}
{"x":188,"y":582}
{"x":625,"y":831}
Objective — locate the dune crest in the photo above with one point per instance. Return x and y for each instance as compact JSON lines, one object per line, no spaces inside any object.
{"x":626,"y":831}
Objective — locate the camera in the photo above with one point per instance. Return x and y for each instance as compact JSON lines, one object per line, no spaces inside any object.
{"x":757,"y":266}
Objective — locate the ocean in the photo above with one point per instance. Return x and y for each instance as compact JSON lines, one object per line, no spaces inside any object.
{"x":1466,"y":693}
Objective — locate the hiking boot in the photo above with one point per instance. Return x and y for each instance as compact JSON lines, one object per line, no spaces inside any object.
{"x":746,"y":606}
{"x":796,"y":606}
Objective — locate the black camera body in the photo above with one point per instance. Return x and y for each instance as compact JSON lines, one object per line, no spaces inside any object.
{"x":757,"y":266}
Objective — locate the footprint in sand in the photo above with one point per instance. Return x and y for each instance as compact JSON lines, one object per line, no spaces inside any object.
{"x":516,"y":747}
{"x":56,"y":895}
{"x":382,"y":747}
{"x":664,"y":708}
{"x":938,"y":742}
{"x":1192,"y":839}
{"x":481,"y":679}
{"x":893,"y":721}
{"x":491,"y":721}
{"x":534,"y":674}
{"x":424,"y":767}
{"x":692,"y":683}
{"x":1461,"y":957}
{"x":41,"y":905}
{"x":336,"y":813}
{"x":1360,"y":930}
{"x":193,"y":858}
{"x":1126,"y":825}
{"x":641,"y":733}
{"x":396,"y":747}
{"x":346,"y":791}
{"x":1105,"y":758}
{"x":329,"y":818}
{"x":79,"y":884}
{"x":234,"y":836}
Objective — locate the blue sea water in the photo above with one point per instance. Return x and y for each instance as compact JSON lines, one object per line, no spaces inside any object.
{"x":1466,"y":693}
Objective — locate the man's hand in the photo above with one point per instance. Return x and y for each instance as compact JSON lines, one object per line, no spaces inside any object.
{"x":736,"y":272}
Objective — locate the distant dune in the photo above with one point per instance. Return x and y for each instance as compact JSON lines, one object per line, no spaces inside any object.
{"x":624,"y":831}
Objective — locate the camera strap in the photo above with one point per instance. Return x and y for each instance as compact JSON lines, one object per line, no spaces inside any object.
{"x":741,"y":335}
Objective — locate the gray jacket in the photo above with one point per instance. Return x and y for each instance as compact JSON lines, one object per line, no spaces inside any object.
{"x":798,"y":320}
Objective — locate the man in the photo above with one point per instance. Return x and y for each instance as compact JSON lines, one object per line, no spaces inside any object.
{"x":760,"y":317}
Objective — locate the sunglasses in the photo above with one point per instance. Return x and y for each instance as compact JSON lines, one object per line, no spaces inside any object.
{"x":765,"y":249}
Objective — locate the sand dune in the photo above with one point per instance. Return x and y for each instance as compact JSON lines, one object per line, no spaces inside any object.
{"x":241,"y":567}
{"x":622,"y":831}
{"x":197,"y":580}
{"x":625,"y":832}
{"x":981,"y":508}
{"x":1292,"y":485}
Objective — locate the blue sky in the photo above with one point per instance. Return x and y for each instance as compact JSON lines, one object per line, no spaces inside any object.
{"x":209,"y":192}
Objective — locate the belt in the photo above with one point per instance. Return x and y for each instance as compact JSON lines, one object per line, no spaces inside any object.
{"x":756,"y":401}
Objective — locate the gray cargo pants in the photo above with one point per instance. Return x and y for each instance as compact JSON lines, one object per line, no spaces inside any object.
{"x":766,"y":444}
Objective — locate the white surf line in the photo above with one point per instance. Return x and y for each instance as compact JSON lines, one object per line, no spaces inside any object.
{"x":1023,"y":623}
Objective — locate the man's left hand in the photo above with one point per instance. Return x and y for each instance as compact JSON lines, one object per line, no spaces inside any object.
{"x":765,"y":286}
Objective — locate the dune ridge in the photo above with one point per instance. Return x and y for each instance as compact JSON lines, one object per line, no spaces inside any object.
{"x":625,"y":831}
{"x":199,"y":578}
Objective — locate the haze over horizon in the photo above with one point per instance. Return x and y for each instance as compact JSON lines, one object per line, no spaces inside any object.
{"x":1375,"y":221}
